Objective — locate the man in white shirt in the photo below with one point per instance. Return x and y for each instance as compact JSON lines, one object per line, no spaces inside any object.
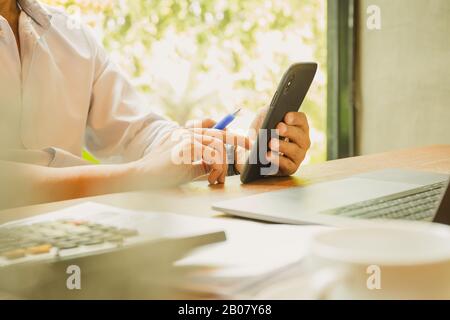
{"x":60,"y":93}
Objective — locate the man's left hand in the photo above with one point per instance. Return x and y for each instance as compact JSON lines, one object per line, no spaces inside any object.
{"x":289,"y":152}
{"x":293,"y":150}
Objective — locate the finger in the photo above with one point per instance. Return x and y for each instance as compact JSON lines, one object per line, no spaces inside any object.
{"x":190,"y":156}
{"x":203,"y":139}
{"x":211,"y":153}
{"x":208,"y":140}
{"x":295,"y":134}
{"x":223,"y":175}
{"x":226,"y":136}
{"x":193,"y":151}
{"x":198,"y":169}
{"x":204,"y":160}
{"x":205,"y":123}
{"x":215,"y":144}
{"x":216,"y":163}
{"x":259,"y":119}
{"x":286,"y":166}
{"x":223,"y":168}
{"x":212,"y":167}
{"x":216,"y":174}
{"x":288,"y":149}
{"x":297,"y":119}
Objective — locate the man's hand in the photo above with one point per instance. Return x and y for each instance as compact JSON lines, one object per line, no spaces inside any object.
{"x":202,"y":130}
{"x":287,"y":153}
{"x":292,"y":151}
{"x":189,"y":153}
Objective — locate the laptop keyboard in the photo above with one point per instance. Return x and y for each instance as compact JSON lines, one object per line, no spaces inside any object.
{"x":44,"y":237}
{"x":416,"y":204}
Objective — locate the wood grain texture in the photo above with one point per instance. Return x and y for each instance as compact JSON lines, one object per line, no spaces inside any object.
{"x":197,"y":197}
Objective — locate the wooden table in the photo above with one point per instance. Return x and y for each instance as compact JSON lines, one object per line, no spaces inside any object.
{"x":196,"y":198}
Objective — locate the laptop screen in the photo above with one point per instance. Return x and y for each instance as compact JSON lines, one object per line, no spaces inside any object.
{"x":443,"y":212}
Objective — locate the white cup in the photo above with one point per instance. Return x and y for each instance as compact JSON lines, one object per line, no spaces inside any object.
{"x":404,"y":261}
{"x":382,"y":261}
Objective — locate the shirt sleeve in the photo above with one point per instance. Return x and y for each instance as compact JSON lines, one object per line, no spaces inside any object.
{"x":120,"y":125}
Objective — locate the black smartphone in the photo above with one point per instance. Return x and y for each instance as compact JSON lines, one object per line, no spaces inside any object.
{"x":289,"y":96}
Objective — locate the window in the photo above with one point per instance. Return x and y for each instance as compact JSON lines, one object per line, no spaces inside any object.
{"x":204,"y":58}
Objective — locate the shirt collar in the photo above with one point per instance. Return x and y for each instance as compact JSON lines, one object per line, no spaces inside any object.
{"x":36,"y":12}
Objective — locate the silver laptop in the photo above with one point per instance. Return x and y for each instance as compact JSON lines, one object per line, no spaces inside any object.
{"x":387,"y":194}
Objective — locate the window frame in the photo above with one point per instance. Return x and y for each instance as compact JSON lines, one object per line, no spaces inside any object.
{"x":340,"y":74}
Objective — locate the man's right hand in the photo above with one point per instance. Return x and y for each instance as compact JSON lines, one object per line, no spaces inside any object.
{"x":186,"y":154}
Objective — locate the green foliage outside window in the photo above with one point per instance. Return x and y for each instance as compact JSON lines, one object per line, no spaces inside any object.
{"x":203,"y":58}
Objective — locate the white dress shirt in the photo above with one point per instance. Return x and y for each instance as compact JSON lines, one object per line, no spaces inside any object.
{"x":62,"y":94}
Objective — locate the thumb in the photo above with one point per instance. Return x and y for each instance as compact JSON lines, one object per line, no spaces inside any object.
{"x":257,"y":123}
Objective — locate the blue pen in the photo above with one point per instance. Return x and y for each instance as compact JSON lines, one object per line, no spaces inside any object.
{"x":222,"y":124}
